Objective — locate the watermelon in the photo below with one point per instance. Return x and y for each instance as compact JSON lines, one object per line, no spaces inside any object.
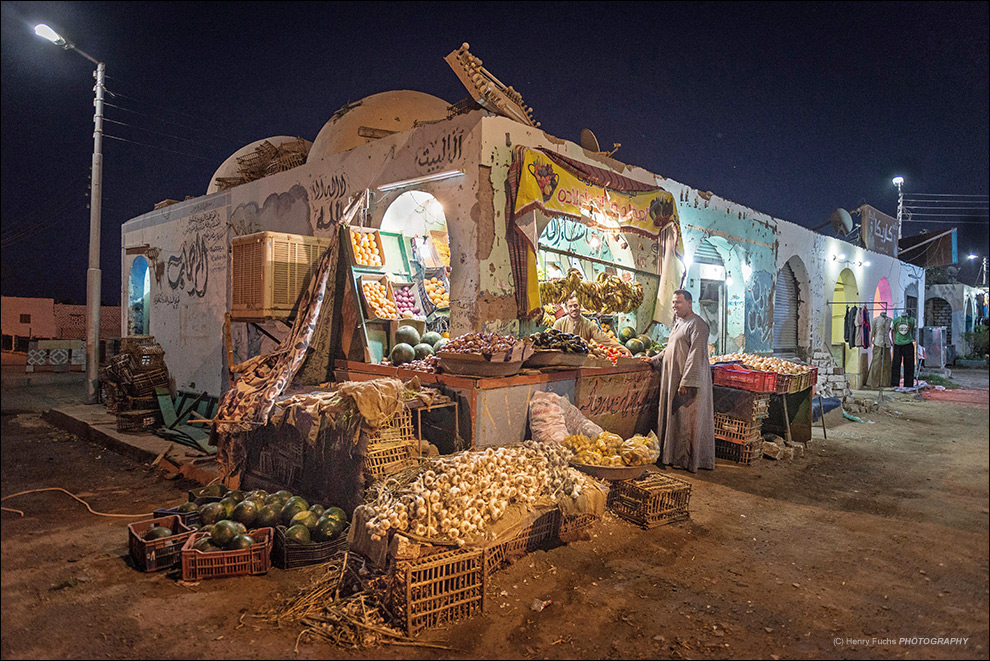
{"x":337,"y":512}
{"x":627,"y":333}
{"x":298,"y":534}
{"x":206,"y":546}
{"x":158,"y":532}
{"x":635,"y":346}
{"x":268,"y":516}
{"x":431,"y":338}
{"x":208,"y":529}
{"x":423,"y":350}
{"x":223,"y":532}
{"x":238,"y":543}
{"x":305,"y":518}
{"x":187,"y":507}
{"x":441,"y":343}
{"x":246,"y":512}
{"x":211,"y":513}
{"x":236,"y":494}
{"x":228,"y":505}
{"x":283,"y":494}
{"x":327,"y":528}
{"x":317,"y":509}
{"x":298,"y":500}
{"x":646,"y":340}
{"x":402,"y":353}
{"x":289,"y":511}
{"x":407,"y":335}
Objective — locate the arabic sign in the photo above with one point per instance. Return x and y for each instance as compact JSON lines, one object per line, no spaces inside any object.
{"x":879,"y":231}
{"x":624,"y":403}
{"x":555,"y":190}
{"x":441,"y":153}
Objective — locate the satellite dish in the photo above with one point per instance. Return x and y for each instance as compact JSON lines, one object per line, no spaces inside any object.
{"x":841,"y":221}
{"x":589,"y":141}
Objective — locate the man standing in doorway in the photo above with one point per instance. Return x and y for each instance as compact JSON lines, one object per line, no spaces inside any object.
{"x":686,"y":420}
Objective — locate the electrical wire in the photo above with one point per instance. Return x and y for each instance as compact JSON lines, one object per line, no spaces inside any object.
{"x":170,"y":110}
{"x":173,"y":151}
{"x":159,"y":119}
{"x":92,"y":511}
{"x":167,"y":135}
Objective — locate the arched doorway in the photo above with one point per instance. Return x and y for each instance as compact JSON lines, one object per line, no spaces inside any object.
{"x":708,"y":270}
{"x":139,"y":298}
{"x":786,"y":311}
{"x":844,"y":297}
{"x":938,"y":312}
{"x":883,"y":299}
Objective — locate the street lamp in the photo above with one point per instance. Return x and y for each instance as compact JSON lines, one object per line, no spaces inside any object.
{"x":899,"y":182}
{"x":95,"y":198}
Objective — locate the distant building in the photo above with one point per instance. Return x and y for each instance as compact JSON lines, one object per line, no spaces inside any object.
{"x":26,"y":319}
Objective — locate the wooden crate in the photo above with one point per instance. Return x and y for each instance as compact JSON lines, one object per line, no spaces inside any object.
{"x":384,"y":459}
{"x":399,"y":428}
{"x":439,"y":589}
{"x":741,"y":453}
{"x":651,"y":500}
{"x":735,"y":429}
{"x":546,"y":528}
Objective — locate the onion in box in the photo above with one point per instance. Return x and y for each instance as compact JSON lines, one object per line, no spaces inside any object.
{"x":405,"y":301}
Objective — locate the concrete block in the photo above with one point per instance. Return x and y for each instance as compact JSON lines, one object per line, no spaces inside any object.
{"x":772,"y":450}
{"x":786,"y":454}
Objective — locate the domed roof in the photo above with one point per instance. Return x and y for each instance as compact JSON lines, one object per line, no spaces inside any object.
{"x":229,"y":168}
{"x":374,"y":117}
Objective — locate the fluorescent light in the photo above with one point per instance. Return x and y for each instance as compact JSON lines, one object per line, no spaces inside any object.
{"x":439,"y":176}
{"x":46,"y":32}
{"x":972,"y":256}
{"x":842,"y":256}
{"x":867,"y":263}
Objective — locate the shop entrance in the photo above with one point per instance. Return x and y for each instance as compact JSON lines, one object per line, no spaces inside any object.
{"x":709,"y":271}
{"x":139,"y":298}
{"x":844,"y":297}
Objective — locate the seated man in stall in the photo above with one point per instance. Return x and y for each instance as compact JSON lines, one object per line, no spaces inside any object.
{"x":575,"y":323}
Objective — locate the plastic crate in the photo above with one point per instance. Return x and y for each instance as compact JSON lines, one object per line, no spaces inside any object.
{"x":257,"y":559}
{"x":546,"y":528}
{"x":439,"y":589}
{"x":651,"y":500}
{"x":734,"y":429}
{"x":155,"y":554}
{"x":741,"y":453}
{"x":289,"y":555}
{"x":733,"y":376}
{"x":189,"y":519}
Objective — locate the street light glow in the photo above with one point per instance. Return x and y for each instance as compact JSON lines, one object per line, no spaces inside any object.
{"x":972,"y":256}
{"x":46,"y":32}
{"x":897,"y":181}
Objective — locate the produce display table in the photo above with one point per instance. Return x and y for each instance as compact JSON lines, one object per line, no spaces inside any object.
{"x":495,"y":411}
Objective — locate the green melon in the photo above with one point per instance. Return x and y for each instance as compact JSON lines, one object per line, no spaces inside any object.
{"x":635,"y":346}
{"x":158,"y":532}
{"x":408,"y":335}
{"x":228,"y":505}
{"x":275,"y":499}
{"x":423,"y":350}
{"x":641,"y":354}
{"x":646,"y":340}
{"x":187,"y":507}
{"x":327,"y":528}
{"x":289,"y":511}
{"x":239,"y":543}
{"x":298,"y":534}
{"x":283,"y":494}
{"x":239,"y":528}
{"x":246,"y":512}
{"x":211,"y":513}
{"x":305,"y":518}
{"x":431,"y":338}
{"x":223,"y":532}
{"x":206,"y":546}
{"x":236,"y":494}
{"x":441,"y":343}
{"x":298,"y":500}
{"x":258,"y":492}
{"x":213,"y":491}
{"x":336,"y":511}
{"x":207,"y":529}
{"x":402,"y":353}
{"x":627,"y":333}
{"x":317,"y":509}
{"x":268,"y":516}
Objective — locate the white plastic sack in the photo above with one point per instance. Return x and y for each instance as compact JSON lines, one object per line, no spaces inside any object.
{"x":546,"y":419}
{"x":575,"y":420}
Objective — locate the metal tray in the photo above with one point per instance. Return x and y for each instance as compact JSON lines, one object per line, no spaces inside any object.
{"x":612,"y":472}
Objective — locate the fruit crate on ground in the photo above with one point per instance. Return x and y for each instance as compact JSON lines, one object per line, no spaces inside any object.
{"x":290,"y":555}
{"x":651,"y":500}
{"x":387,"y":458}
{"x":439,"y":589}
{"x":189,"y":519}
{"x":741,"y":453}
{"x":254,"y":560}
{"x":734,"y":429}
{"x":546,"y":528}
{"x":135,"y":422}
{"x":733,"y":376}
{"x":155,"y":554}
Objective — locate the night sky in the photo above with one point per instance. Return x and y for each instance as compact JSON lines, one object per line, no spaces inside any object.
{"x":792,"y":109}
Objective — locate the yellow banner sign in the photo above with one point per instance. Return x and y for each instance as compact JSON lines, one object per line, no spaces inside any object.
{"x":556,"y":190}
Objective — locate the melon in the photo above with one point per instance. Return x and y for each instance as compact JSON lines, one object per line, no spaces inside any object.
{"x":627,"y":333}
{"x":206,"y":546}
{"x":206,"y":529}
{"x":157,"y":532}
{"x":317,"y":509}
{"x":187,"y":507}
{"x":305,"y":518}
{"x":441,"y":343}
{"x":268,"y":516}
{"x":289,"y":511}
{"x":223,"y":532}
{"x":228,"y":504}
{"x":298,"y":534}
{"x":337,"y":512}
{"x":246,"y":512}
{"x":298,"y":500}
{"x":407,"y":335}
{"x":402,"y":353}
{"x":431,"y":338}
{"x":211,"y":513}
{"x":646,"y":340}
{"x":239,"y":542}
{"x":635,"y":346}
{"x":423,"y":350}
{"x":327,"y":528}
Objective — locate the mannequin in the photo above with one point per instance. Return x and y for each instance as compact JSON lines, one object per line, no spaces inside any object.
{"x":881,"y":340}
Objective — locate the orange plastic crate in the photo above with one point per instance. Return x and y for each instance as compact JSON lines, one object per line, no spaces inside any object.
{"x":257,"y":559}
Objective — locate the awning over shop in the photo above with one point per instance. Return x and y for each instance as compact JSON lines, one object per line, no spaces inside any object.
{"x":543,"y":184}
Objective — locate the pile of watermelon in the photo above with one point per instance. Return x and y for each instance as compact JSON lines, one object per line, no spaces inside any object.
{"x":638,"y":345}
{"x":409,"y":346}
{"x":229,"y":519}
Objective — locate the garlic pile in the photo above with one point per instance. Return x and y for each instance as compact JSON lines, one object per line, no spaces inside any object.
{"x":459,"y":497}
{"x":762,"y":363}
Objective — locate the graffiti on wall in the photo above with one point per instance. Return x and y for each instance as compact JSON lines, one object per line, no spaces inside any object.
{"x":329,"y":195}
{"x":442,"y":152}
{"x":759,"y":312}
{"x":204,"y":249}
{"x":281,"y":212}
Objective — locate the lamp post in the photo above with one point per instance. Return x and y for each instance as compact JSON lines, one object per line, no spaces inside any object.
{"x":95,"y":201}
{"x":899,"y":182}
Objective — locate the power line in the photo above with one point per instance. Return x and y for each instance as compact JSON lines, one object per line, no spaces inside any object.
{"x":158,"y":119}
{"x":167,"y":135}
{"x":951,"y":195}
{"x":942,"y":207}
{"x":945,"y":222}
{"x":170,"y":110}
{"x":173,"y":151}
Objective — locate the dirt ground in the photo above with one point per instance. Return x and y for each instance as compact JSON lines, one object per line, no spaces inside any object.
{"x":874,"y":544}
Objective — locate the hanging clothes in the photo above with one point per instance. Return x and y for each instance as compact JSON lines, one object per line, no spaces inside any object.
{"x":866,"y":329}
{"x":846,"y":326}
{"x":879,"y":373}
{"x":851,"y":326}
